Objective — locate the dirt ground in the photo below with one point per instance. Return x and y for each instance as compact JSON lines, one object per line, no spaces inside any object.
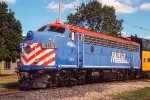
{"x":96,"y":91}
{"x":113,"y":88}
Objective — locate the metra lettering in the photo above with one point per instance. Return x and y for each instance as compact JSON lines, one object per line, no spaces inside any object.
{"x":118,"y":58}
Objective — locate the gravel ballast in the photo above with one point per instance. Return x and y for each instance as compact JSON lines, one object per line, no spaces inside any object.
{"x":80,"y":92}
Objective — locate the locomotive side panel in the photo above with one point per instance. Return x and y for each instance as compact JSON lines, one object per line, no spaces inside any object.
{"x":103,"y":53}
{"x":67,"y":52}
{"x":92,"y":55}
{"x":105,"y":57}
{"x":136,"y":60}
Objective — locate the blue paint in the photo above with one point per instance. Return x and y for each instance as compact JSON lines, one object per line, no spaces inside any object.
{"x":28,"y":68}
{"x":77,"y":54}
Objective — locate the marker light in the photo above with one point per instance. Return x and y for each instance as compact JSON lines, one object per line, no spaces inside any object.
{"x":36,"y":61}
{"x":30,"y":35}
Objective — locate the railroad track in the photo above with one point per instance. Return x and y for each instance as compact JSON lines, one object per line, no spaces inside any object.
{"x":17,"y":91}
{"x":10,"y":92}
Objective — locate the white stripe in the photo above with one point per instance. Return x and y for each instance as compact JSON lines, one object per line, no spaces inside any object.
{"x":39,"y":56}
{"x":66,"y":66}
{"x":24,"y":52}
{"x":32,"y":53}
{"x":52,"y":63}
{"x":33,"y":45}
{"x":46,"y":59}
{"x":136,"y":67}
{"x":23,"y":62}
{"x":88,"y":66}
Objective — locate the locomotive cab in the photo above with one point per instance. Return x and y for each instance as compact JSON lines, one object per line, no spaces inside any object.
{"x":53,"y":46}
{"x":40,"y":47}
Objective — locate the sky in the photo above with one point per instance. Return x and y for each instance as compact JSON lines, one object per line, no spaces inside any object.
{"x":35,"y":13}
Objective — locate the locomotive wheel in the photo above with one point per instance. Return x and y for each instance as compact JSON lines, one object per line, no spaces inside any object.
{"x":34,"y":83}
{"x":72,"y":82}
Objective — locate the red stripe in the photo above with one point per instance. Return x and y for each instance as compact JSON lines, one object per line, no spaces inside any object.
{"x":37,"y":53}
{"x":46,"y":55}
{"x":21,"y":62}
{"x":24,"y":46}
{"x":33,"y":48}
{"x":49,"y":61}
{"x":33,"y":64}
{"x":88,"y":32}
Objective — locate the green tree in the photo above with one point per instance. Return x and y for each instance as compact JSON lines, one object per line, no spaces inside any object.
{"x":96,"y":17}
{"x":135,"y":38}
{"x":10,"y":34}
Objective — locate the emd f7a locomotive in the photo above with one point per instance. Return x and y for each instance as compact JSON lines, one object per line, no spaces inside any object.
{"x":58,"y":55}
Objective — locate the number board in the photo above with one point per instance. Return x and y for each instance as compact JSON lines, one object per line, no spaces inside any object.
{"x":48,"y":45}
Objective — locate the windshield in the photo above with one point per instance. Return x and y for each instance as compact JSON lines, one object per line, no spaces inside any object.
{"x":53,"y":29}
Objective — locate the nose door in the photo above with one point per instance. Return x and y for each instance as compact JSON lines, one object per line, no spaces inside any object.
{"x":78,"y":40}
{"x":80,"y":49}
{"x":38,"y":54}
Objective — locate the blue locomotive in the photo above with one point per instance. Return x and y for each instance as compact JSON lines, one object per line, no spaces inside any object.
{"x":59,"y":54}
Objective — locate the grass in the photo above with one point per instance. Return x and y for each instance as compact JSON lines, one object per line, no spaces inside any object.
{"x":9,"y":81}
{"x":142,"y":94}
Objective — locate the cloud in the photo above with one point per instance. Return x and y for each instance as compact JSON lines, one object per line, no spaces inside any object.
{"x":121,"y":6}
{"x":9,"y":1}
{"x":54,"y":6}
{"x":145,"y":6}
{"x":146,"y":37}
{"x":125,"y":34}
{"x":126,"y":6}
{"x":127,"y":2}
{"x":24,"y":35}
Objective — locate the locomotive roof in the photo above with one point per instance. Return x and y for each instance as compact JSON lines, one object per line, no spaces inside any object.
{"x":97,"y":34}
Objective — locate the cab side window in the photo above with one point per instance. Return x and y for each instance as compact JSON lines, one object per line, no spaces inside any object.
{"x":69,"y":35}
{"x":72,"y":35}
{"x":80,"y":37}
{"x":46,"y":28}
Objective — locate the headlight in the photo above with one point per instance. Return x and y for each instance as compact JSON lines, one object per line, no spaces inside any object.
{"x":28,"y":48}
{"x":30,"y":35}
